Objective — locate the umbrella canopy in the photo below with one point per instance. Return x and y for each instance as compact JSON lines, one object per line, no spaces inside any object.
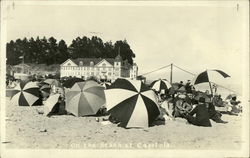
{"x":203,"y":77}
{"x":45,"y":89}
{"x":132,"y":103}
{"x":160,"y":84}
{"x":52,"y":82}
{"x":85,"y":98}
{"x":25,"y":94}
{"x":105,"y":84}
{"x":50,"y":103}
{"x":230,"y":96}
{"x":70,"y":82}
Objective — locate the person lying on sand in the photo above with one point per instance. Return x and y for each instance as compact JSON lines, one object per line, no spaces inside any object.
{"x":213,"y":114}
{"x":202,"y":115}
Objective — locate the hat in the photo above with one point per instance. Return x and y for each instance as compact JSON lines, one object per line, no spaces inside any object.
{"x":202,"y":100}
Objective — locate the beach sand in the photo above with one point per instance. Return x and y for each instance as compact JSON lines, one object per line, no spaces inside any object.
{"x":25,"y":128}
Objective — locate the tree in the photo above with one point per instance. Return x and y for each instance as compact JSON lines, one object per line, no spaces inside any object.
{"x":125,"y":51}
{"x":63,"y":54}
{"x":53,"y":51}
{"x":48,"y":51}
{"x":11,"y":53}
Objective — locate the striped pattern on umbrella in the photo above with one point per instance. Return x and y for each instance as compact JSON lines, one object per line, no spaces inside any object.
{"x":160,"y":84}
{"x":45,"y":88}
{"x":132,"y":103}
{"x":203,"y":77}
{"x":70,"y":82}
{"x":25,"y":94}
{"x":230,"y":96}
{"x":50,"y":103}
{"x":85,"y":98}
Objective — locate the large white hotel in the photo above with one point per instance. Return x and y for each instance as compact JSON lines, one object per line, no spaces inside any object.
{"x":107,"y":68}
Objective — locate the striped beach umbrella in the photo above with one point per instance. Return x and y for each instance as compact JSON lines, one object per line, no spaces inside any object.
{"x":70,"y":82}
{"x":85,"y":98}
{"x":230,"y":96}
{"x":132,"y":103}
{"x":25,"y":94}
{"x":45,"y":90}
{"x":50,"y":103}
{"x":203,"y":77}
{"x":160,"y":84}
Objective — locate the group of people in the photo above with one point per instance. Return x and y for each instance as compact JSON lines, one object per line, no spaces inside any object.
{"x":184,"y":104}
{"x":196,"y":110}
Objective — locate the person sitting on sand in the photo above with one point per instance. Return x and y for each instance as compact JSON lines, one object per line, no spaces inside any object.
{"x":165,"y":111}
{"x":234,"y":107}
{"x":202,"y":115}
{"x":180,"y":84}
{"x":181,"y":107}
{"x":217,"y":101}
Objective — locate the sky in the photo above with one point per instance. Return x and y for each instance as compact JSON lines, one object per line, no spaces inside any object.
{"x":194,"y":37}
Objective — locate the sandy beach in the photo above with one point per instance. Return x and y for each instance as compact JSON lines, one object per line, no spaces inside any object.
{"x":25,"y":128}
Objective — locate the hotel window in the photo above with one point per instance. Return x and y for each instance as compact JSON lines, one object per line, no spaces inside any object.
{"x":104,"y":66}
{"x":91,"y":63}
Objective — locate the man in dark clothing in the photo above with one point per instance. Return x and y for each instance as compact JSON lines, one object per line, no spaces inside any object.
{"x":202,"y":115}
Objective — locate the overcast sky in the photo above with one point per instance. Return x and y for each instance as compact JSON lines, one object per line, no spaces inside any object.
{"x":194,"y":37}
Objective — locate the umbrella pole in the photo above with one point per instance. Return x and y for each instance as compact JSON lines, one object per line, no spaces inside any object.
{"x":171,"y":73}
{"x":210,"y":84}
{"x":210,"y":87}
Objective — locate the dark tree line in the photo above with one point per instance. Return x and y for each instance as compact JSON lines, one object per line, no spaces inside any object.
{"x":50,"y":51}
